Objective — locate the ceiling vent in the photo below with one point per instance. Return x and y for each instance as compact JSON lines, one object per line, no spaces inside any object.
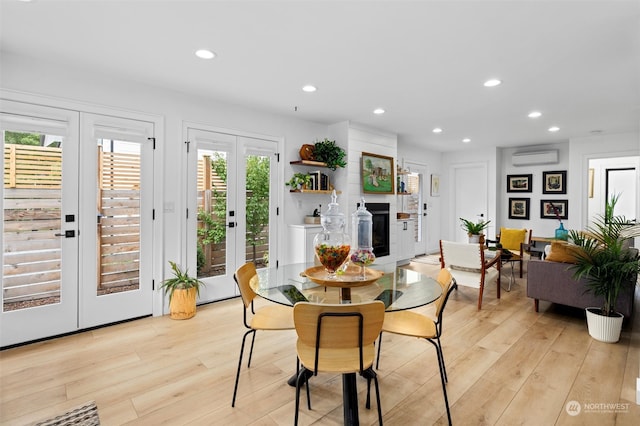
{"x":535,"y":157}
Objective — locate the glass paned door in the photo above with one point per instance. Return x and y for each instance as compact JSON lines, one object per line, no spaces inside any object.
{"x":260,"y":223}
{"x":39,"y":226}
{"x":117,"y":184}
{"x":211,"y":233}
{"x":232,"y":226}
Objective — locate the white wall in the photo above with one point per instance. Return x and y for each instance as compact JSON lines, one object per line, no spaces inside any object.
{"x":25,"y":75}
{"x":540,"y":227}
{"x":594,"y":147}
{"x":449,"y":224}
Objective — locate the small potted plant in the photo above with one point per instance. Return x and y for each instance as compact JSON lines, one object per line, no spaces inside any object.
{"x":183,"y":290}
{"x":474,"y":229}
{"x":299,"y":181}
{"x":609,"y":266}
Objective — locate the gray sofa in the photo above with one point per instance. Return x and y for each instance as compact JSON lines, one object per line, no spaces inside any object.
{"x":553,"y":282}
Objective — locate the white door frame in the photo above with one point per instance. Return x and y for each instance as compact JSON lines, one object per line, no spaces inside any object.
{"x":188,"y":255}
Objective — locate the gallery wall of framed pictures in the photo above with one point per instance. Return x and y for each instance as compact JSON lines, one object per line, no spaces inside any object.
{"x":553,"y":182}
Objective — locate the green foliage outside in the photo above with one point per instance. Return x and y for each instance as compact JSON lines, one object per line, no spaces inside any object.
{"x":17,"y":138}
{"x":257,"y":208}
{"x":257,"y":199}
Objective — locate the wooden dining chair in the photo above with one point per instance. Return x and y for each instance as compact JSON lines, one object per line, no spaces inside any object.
{"x":338,"y":339}
{"x":514,"y":241}
{"x":414,"y":324}
{"x":468,"y":265}
{"x":271,"y":317}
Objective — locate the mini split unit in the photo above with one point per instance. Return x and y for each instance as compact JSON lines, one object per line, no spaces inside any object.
{"x":535,"y":157}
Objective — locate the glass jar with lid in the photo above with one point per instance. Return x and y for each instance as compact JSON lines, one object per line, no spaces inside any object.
{"x":362,"y":237}
{"x":332,"y":245}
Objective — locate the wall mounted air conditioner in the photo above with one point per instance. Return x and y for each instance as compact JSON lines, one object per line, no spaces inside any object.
{"x":535,"y":157}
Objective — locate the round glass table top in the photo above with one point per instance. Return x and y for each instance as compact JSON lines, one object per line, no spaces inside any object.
{"x":398,"y":288}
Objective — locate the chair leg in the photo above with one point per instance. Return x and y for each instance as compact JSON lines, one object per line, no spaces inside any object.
{"x":251,"y":350}
{"x":379,"y":346}
{"x":370,"y":374}
{"x":444,"y":368}
{"x":375,"y":381}
{"x":299,"y":380}
{"x":444,"y":386}
{"x":235,"y":388}
{"x":521,"y":262}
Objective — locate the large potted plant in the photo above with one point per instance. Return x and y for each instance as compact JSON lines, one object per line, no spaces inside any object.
{"x":183,"y":290}
{"x":474,"y":229}
{"x":607,"y":263}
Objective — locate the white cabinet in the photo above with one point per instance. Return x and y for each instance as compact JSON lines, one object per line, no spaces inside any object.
{"x":406,"y":240}
{"x":301,"y":242}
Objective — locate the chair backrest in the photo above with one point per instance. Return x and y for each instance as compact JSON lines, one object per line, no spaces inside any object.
{"x":511,"y":239}
{"x":244,"y":276}
{"x":461,"y":255}
{"x":445,"y":279}
{"x":344,"y":326}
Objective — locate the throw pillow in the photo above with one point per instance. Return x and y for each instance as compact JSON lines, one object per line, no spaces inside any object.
{"x":512,"y":238}
{"x":562,"y":252}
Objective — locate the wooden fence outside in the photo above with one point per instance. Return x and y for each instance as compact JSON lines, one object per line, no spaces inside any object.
{"x":32,"y":217}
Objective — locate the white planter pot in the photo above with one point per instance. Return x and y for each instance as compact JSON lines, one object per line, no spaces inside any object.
{"x":603,"y":328}
{"x":474,"y":239}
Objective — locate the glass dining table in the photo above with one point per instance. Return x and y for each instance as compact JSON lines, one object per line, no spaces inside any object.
{"x":398,"y":288}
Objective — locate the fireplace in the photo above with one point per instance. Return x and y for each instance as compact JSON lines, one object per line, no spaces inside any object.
{"x":380,"y":219}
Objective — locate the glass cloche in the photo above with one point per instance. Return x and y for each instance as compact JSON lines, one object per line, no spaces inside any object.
{"x":332,"y":245}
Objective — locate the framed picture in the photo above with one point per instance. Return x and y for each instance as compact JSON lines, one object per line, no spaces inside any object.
{"x":519,"y":208}
{"x":519,"y":183}
{"x":377,"y":174}
{"x":435,"y":185}
{"x":554,"y":182}
{"x":554,"y":209}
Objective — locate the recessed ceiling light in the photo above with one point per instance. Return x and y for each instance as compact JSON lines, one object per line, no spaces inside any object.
{"x":466,"y":140}
{"x":378,"y":111}
{"x":205,"y":54}
{"x":309,"y":88}
{"x":492,"y":83}
{"x":437,"y":130}
{"x":554,"y":128}
{"x":534,"y":114}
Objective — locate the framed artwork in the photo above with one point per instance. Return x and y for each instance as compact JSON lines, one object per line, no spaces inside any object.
{"x":554,"y":209}
{"x":519,"y":183}
{"x":435,"y":185}
{"x":519,"y":208}
{"x":377,"y":174}
{"x":554,"y":182}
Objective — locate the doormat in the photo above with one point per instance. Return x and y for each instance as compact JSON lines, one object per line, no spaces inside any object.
{"x":433,"y":259}
{"x":86,"y":415}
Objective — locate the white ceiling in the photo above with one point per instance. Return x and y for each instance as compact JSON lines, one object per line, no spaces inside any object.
{"x":424,"y":62}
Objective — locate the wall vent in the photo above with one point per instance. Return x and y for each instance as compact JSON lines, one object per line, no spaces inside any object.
{"x":535,"y":157}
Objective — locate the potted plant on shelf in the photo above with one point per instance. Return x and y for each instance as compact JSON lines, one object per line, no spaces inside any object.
{"x":474,"y":229}
{"x":183,"y":290}
{"x":609,"y":266}
{"x":328,"y":152}
{"x":299,"y":181}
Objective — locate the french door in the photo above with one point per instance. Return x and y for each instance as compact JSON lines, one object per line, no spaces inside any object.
{"x":232,"y":207}
{"x":69,"y":260}
{"x":116,"y":208}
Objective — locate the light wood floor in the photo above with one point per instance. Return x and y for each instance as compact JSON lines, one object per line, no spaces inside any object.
{"x":507,"y":365}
